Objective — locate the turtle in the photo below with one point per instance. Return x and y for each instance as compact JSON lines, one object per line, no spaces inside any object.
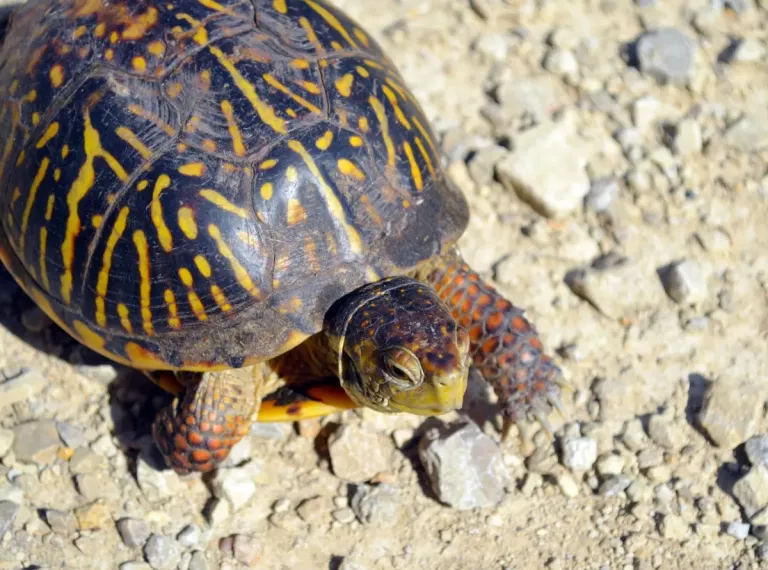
{"x":220,"y":192}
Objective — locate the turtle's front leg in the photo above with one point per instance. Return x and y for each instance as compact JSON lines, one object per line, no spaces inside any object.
{"x":505,"y":347}
{"x":197,"y":431}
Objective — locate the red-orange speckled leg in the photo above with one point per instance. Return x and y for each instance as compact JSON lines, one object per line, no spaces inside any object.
{"x":198,"y":430}
{"x":505,"y":347}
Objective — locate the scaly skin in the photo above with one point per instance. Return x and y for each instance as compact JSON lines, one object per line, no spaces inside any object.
{"x":504,"y":345}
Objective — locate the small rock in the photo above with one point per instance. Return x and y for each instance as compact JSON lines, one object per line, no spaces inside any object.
{"x":645,"y":112}
{"x":350,"y":564}
{"x":482,"y":165}
{"x":749,"y":134}
{"x":315,"y":510}
{"x":219,"y":512}
{"x":732,"y":410}
{"x":579,"y":453}
{"x":162,"y":552}
{"x":751,"y":491}
{"x":685,"y":282}
{"x":562,"y":62}
{"x":547,"y":169}
{"x":673,"y":527}
{"x":6,"y":441}
{"x":567,"y":483}
{"x":134,"y":532}
{"x":247,"y":550}
{"x":493,"y":46}
{"x":658,"y":474}
{"x":157,"y":485}
{"x":756,"y":449}
{"x":602,"y":194}
{"x":72,"y":436}
{"x":532,"y":482}
{"x":535,"y":97}
{"x":86,"y":461}
{"x":93,"y":516}
{"x":714,"y":240}
{"x":688,"y":139}
{"x":665,"y":432}
{"x":749,"y":50}
{"x":376,"y":504}
{"x":36,"y":442}
{"x":344,"y":515}
{"x":236,"y":485}
{"x":61,"y":522}
{"x":189,"y":536}
{"x":664,"y":494}
{"x":651,"y":457}
{"x":464,"y":466}
{"x":198,"y":561}
{"x":98,"y":485}
{"x":738,"y":530}
{"x":614,"y":485}
{"x":8,"y":512}
{"x":634,"y":436}
{"x":268,"y":430}
{"x":20,"y":386}
{"x":610,"y":464}
{"x":667,"y":55}
{"x":357,"y":454}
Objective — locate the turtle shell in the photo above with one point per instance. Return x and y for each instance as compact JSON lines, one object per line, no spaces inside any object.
{"x":192,"y":184}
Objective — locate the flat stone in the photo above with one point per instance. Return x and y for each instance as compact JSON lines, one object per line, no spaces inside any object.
{"x":562,"y":62}
{"x":666,"y":432}
{"x":756,"y":449}
{"x":93,"y":516}
{"x":247,"y":550}
{"x":732,"y":410}
{"x":36,"y":442}
{"x":667,"y":55}
{"x":357,"y":454}
{"x":749,"y":134}
{"x":162,"y":552}
{"x":464,"y":466}
{"x":610,"y":464}
{"x":20,"y":386}
{"x":567,"y":483}
{"x":617,"y":290}
{"x":376,"y":504}
{"x":547,"y":169}
{"x":86,"y":461}
{"x":751,"y":491}
{"x":685,"y":282}
{"x":482,"y":165}
{"x":535,"y":97}
{"x":61,"y":522}
{"x":98,"y":485}
{"x":8,"y":513}
{"x":614,"y":485}
{"x":134,"y":532}
{"x":135,"y":565}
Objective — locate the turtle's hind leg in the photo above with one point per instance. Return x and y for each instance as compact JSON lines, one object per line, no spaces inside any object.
{"x":197,"y":431}
{"x":505,"y":347}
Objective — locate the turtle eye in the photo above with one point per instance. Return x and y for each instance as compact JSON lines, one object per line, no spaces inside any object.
{"x":402,"y":368}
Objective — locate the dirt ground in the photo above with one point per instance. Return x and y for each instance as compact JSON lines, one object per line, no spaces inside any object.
{"x":651,"y":290}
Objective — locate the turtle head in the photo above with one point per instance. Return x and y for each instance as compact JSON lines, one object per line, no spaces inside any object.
{"x":399,"y":348}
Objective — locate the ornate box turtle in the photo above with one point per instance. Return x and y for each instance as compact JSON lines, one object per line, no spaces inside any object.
{"x":200,"y":189}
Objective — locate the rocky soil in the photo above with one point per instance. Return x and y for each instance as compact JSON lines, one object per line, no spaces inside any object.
{"x":615,"y":154}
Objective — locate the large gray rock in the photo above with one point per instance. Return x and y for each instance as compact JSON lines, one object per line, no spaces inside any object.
{"x":731,"y":410}
{"x":465,"y":466}
{"x":668,"y":55}
{"x":751,"y":491}
{"x":36,"y":442}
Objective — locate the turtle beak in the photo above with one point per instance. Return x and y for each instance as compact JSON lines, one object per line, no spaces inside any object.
{"x":433,"y":398}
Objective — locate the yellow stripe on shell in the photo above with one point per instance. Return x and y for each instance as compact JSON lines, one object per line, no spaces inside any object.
{"x":102,"y":283}
{"x":156,"y":213}
{"x":242,"y":276}
{"x":145,"y":286}
{"x":217,"y":199}
{"x":31,"y":200}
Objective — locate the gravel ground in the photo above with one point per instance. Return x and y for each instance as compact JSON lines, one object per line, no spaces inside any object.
{"x":615,"y":154}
